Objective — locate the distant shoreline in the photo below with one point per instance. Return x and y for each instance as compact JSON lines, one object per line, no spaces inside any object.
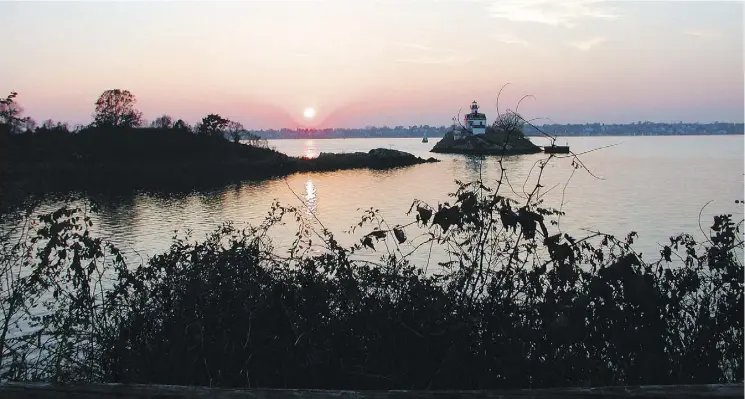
{"x":554,"y":129}
{"x":529,"y":135}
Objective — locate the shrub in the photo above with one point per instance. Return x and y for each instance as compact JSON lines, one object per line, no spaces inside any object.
{"x":516,"y":306}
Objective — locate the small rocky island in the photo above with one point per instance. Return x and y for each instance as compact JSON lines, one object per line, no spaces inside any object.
{"x":504,"y":137}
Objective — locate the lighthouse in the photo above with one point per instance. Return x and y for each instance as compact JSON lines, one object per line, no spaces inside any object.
{"x":476,"y":121}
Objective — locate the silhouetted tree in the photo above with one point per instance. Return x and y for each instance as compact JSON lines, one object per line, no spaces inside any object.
{"x":10,"y":113}
{"x":181,"y":125}
{"x":508,"y":123}
{"x":116,"y":108}
{"x":8,"y":108}
{"x":29,"y":125}
{"x":235,"y":130}
{"x":254,"y":140}
{"x":212,"y":125}
{"x":49,"y":127}
{"x":162,"y":122}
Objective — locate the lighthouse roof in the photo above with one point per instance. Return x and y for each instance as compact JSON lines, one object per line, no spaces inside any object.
{"x":477,"y":115}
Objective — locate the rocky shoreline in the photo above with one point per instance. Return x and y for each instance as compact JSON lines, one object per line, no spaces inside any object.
{"x":490,"y":143}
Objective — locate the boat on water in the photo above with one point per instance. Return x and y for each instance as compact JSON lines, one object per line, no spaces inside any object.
{"x":556,"y":149}
{"x":424,"y":139}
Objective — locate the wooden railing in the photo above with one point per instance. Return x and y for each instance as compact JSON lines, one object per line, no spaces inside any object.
{"x":120,"y":391}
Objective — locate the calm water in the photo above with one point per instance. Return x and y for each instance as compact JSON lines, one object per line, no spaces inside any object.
{"x":654,"y":185}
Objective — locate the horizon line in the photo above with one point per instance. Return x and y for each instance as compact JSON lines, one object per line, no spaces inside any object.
{"x":535,"y":124}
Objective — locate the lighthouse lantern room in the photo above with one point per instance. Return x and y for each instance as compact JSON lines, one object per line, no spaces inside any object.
{"x":476,"y":121}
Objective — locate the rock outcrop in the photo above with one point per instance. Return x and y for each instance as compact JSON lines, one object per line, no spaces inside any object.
{"x":378,"y":158}
{"x":490,"y":143}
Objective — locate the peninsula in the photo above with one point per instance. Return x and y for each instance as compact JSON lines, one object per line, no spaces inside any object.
{"x":117,"y":153}
{"x":159,"y":159}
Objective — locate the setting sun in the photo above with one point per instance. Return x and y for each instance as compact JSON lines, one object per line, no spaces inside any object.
{"x":309,"y":113}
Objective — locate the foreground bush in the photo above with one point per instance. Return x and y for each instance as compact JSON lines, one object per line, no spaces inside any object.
{"x":516,"y":305}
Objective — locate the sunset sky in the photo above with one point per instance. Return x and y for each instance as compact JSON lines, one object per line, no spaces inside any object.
{"x":361,"y":63}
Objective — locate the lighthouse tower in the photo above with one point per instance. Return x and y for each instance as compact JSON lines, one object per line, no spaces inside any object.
{"x":476,"y":121}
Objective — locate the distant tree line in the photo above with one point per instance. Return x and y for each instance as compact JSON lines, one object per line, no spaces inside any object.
{"x":366,"y":132}
{"x":116,"y":109}
{"x":637,"y":129}
{"x":589,"y":129}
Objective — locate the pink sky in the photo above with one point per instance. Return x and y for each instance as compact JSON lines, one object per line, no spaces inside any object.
{"x":378,"y":62}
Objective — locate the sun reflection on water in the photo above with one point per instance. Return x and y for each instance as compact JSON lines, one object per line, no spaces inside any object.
{"x":310,"y":196}
{"x":310,"y":149}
